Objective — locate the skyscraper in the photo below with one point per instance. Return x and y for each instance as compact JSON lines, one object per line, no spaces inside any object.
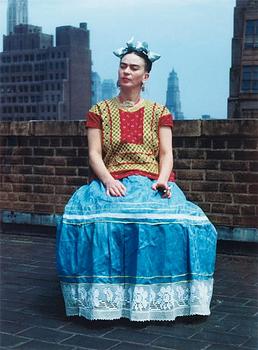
{"x":42,"y":81}
{"x":108,"y":89}
{"x":243,"y":95}
{"x":17,"y":13}
{"x":96,"y":88}
{"x":173,"y":96}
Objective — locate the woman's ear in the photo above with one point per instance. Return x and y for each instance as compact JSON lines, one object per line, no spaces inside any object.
{"x":145,"y":77}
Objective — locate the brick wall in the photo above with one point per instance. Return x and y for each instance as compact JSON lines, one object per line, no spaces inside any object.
{"x":42,"y":163}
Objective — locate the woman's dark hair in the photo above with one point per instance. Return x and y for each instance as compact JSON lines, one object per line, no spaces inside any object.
{"x":148,"y":63}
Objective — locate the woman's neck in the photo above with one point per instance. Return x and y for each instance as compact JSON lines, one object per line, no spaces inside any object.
{"x":133,"y":96}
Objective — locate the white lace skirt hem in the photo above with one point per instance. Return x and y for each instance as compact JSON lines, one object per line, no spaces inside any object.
{"x":161,"y":302}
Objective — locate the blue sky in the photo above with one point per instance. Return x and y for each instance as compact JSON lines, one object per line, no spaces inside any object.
{"x":192,"y":36}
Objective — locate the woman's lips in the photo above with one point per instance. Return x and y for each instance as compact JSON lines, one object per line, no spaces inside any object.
{"x":125,"y":80}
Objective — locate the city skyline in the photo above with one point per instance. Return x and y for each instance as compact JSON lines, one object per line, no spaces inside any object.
{"x":193,"y":36}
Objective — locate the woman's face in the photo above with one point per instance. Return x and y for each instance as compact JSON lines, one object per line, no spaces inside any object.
{"x":132,"y":73}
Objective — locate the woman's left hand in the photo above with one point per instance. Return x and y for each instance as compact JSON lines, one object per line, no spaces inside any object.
{"x":163,"y":188}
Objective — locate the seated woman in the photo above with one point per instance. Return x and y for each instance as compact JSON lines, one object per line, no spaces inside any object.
{"x":129,"y":243}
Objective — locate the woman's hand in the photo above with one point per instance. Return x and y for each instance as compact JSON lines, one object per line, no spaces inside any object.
{"x":163,"y":188}
{"x":115,"y":188}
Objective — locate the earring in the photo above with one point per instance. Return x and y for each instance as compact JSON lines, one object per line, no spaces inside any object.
{"x":143,"y":87}
{"x":118,"y":84}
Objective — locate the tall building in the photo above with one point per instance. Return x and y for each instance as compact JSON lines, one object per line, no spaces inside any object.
{"x":96,"y":88}
{"x":108,"y":89}
{"x":17,"y":13}
{"x":42,"y":81}
{"x":173,"y":102}
{"x":243,"y":95}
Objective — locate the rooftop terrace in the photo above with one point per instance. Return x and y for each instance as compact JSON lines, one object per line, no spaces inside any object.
{"x":32,"y":311}
{"x":42,"y":164}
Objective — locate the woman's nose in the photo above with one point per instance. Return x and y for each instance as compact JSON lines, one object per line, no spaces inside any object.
{"x":127,"y":70}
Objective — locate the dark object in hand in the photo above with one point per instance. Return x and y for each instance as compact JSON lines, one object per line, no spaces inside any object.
{"x":162,"y":189}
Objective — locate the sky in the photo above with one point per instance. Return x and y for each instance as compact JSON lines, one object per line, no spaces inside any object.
{"x":193,"y":37}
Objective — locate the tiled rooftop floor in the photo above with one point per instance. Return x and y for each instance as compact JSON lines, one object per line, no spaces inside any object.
{"x":33,"y":318}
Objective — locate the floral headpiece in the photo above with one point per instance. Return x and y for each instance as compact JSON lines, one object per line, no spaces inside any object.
{"x":138,"y":47}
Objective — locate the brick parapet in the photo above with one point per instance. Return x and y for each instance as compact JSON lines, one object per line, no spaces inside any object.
{"x":216,"y":161}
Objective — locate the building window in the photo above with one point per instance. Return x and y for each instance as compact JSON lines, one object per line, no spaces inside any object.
{"x":250,"y":79}
{"x":251,"y":34}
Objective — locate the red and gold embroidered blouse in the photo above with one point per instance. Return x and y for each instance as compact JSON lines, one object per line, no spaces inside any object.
{"x":130,"y":138}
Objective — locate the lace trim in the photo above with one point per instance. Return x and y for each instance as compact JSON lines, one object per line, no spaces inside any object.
{"x":138,"y":303}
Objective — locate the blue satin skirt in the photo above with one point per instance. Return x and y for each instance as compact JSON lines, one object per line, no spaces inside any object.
{"x":141,"y":256}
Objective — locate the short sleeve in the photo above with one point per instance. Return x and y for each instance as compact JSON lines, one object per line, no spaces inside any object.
{"x":93,"y":121}
{"x":93,"y":118}
{"x":166,"y":118}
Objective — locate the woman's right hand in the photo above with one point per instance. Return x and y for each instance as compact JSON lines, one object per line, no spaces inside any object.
{"x":115,"y":188}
